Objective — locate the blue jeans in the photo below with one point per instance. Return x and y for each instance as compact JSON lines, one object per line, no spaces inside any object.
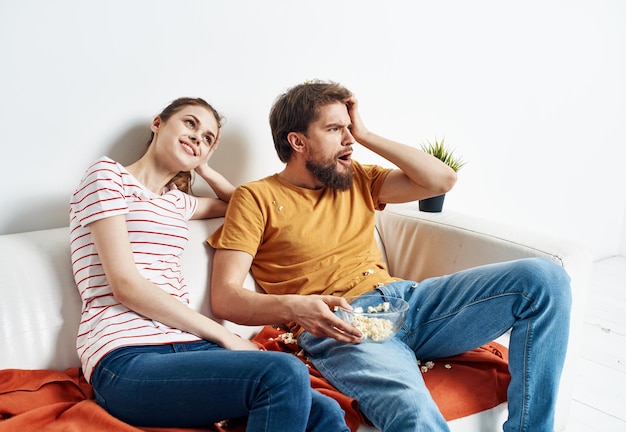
{"x":449,"y":315}
{"x":196,"y":384}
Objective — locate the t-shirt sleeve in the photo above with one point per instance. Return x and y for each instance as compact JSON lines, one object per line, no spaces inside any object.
{"x":243,"y":226}
{"x":100,"y":194}
{"x":376,"y":176}
{"x":185,"y":203}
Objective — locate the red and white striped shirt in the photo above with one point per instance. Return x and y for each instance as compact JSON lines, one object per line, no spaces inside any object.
{"x":158,"y":235}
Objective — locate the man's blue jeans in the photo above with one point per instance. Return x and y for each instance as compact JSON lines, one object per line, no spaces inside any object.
{"x":449,"y":315}
{"x":196,"y":384}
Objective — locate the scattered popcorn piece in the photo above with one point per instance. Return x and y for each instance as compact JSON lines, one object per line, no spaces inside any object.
{"x":383,"y":307}
{"x":287,"y":338}
{"x":448,"y":366}
{"x":426,"y":367}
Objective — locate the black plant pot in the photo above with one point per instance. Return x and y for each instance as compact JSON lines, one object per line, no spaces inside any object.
{"x":432,"y":205}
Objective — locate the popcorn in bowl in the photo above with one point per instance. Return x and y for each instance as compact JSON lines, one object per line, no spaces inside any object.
{"x":378,"y":317}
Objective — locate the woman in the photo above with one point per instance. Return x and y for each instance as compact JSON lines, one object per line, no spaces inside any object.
{"x":151,"y":359}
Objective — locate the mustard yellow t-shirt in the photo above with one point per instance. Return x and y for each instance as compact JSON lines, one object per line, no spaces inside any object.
{"x":308,"y":241}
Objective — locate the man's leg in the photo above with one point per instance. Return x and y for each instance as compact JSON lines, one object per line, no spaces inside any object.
{"x":383,"y":377}
{"x":453,"y":314}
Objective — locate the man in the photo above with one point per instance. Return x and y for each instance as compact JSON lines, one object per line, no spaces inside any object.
{"x":307,"y":235}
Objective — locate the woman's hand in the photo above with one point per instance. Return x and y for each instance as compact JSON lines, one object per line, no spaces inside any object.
{"x":214,"y":145}
{"x":236,"y":343}
{"x":220,"y":185}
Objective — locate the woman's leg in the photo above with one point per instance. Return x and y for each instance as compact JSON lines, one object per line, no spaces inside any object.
{"x":199,"y":383}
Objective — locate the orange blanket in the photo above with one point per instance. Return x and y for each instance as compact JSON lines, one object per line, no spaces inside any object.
{"x":47,"y":400}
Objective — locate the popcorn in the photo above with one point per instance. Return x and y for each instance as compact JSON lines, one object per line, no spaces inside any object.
{"x":429,"y":365}
{"x":426,"y":367}
{"x":383,"y":307}
{"x":286,"y":337}
{"x":377,"y":329}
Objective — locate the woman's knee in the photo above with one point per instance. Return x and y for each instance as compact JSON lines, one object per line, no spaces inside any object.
{"x":286,"y":368}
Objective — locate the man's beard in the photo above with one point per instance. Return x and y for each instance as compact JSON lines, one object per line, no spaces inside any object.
{"x":328,"y":175}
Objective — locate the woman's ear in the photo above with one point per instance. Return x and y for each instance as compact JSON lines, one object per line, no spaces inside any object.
{"x":156,"y":124}
{"x":296,"y":140}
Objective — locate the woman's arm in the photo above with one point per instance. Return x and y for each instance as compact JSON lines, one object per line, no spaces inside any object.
{"x":209,"y":208}
{"x":212,"y":207}
{"x":222,"y":187}
{"x":131,"y":289}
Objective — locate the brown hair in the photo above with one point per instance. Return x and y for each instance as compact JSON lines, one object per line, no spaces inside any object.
{"x":294,"y":111}
{"x":182,"y":180}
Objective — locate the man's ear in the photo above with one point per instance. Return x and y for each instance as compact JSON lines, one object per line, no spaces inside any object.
{"x":296,"y":140}
{"x":156,"y":124}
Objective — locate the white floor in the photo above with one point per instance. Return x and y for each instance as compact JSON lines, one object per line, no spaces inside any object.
{"x":600,"y":398}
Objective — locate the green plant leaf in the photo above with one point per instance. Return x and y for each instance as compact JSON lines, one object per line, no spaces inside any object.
{"x":445,"y":154}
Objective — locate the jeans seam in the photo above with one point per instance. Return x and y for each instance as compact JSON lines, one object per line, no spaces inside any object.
{"x":475,"y":302}
{"x":525,"y":390}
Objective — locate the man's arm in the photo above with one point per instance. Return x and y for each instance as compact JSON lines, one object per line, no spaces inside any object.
{"x":419,"y":176}
{"x":232,"y":301}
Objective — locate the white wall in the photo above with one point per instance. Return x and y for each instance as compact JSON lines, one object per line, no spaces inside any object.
{"x":623,"y":238}
{"x":532,"y":94}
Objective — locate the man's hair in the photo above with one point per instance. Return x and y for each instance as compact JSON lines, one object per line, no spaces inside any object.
{"x":296,"y":109}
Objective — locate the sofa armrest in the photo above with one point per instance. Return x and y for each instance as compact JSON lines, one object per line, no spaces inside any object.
{"x":433,"y":244}
{"x":419,"y":245}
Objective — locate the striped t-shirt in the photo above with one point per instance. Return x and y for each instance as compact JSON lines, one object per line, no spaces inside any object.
{"x":158,"y":234}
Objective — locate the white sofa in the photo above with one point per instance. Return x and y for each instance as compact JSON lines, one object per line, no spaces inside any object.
{"x":40,"y":306}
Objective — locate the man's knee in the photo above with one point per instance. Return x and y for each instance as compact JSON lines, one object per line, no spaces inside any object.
{"x":550,"y":278}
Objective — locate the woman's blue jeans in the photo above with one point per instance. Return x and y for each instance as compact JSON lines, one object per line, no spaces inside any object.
{"x":198,"y":383}
{"x":449,"y":315}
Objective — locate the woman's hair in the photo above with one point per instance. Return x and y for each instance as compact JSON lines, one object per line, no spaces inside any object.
{"x":182,"y":180}
{"x":294,"y":111}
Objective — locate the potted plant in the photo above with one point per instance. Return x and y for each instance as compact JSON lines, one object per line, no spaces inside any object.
{"x":445,"y":154}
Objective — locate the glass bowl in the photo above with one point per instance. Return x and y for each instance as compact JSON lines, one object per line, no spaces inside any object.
{"x":377,"y":317}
